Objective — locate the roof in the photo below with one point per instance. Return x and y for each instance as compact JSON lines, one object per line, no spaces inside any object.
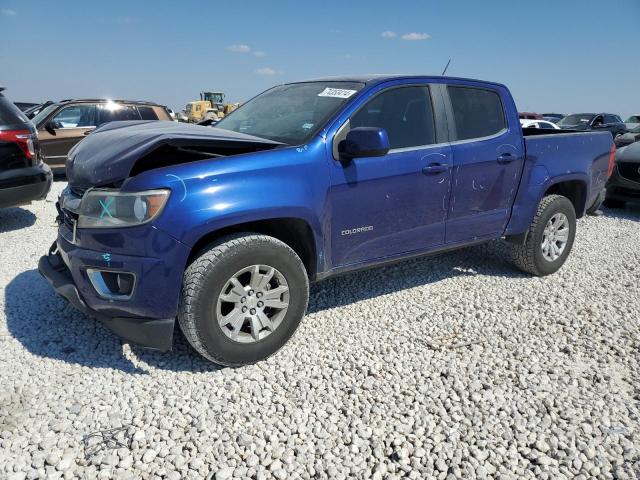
{"x":379,"y":78}
{"x":101,"y":100}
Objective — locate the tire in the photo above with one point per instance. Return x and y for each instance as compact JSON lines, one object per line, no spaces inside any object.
{"x":610,"y":203}
{"x":203,"y":301}
{"x":529,"y":256}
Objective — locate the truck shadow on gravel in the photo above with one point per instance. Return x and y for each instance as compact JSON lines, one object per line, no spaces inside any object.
{"x":15,"y":218}
{"x":491,"y":259}
{"x":48,"y":327}
{"x":631,"y":211}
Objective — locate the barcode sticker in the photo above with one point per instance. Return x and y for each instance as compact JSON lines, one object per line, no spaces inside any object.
{"x":336,"y":93}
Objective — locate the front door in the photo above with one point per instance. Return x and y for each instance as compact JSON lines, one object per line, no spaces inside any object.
{"x":488,"y":158}
{"x":397,"y":203}
{"x":71,"y":124}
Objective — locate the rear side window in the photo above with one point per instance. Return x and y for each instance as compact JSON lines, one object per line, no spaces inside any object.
{"x":116,"y":113}
{"x":477,"y":112}
{"x":10,"y":114}
{"x":147,"y":113}
{"x":405,"y":113}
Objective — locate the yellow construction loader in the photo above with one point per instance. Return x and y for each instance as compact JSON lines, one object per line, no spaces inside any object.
{"x":210,"y":106}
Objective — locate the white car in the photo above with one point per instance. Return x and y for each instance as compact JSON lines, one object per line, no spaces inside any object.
{"x":526,"y":123}
{"x":632,"y":122}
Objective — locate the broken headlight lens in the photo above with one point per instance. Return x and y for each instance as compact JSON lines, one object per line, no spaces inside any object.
{"x":112,"y":208}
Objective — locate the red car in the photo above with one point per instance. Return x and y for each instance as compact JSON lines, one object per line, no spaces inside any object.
{"x":530,"y":116}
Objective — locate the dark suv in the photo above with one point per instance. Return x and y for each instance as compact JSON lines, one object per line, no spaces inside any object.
{"x":61,"y":125}
{"x":23,"y":176}
{"x":593,"y":121}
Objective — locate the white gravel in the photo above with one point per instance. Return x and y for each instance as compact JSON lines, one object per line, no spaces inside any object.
{"x":455,"y":366}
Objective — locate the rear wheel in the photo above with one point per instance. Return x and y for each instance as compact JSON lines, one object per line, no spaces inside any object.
{"x":243,"y":298}
{"x":550,"y":237}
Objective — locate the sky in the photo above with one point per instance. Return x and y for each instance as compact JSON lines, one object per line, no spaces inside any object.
{"x":555,"y":55}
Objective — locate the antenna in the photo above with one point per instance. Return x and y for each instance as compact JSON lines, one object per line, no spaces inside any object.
{"x":445,"y":68}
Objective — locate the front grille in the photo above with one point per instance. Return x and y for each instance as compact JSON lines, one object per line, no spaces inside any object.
{"x":629,"y":170}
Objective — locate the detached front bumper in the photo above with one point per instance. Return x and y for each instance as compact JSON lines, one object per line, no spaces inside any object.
{"x":156,"y":334}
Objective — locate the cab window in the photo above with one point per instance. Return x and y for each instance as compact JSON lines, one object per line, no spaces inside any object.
{"x":477,"y":112}
{"x":404,"y":112}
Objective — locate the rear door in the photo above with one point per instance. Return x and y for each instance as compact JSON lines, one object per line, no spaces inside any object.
{"x":396,"y":203}
{"x":488,"y":156}
{"x":71,"y":124}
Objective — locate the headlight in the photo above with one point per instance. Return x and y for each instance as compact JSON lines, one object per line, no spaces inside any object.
{"x":112,"y":208}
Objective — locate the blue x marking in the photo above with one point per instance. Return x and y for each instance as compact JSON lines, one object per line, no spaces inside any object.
{"x":105,"y":207}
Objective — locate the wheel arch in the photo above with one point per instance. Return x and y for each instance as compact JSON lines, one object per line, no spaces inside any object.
{"x":295,"y":232}
{"x":573,"y":189}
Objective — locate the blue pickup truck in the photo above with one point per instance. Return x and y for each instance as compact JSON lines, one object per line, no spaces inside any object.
{"x":224,"y":228}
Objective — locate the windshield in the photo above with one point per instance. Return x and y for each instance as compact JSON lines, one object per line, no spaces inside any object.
{"x":292,"y":113}
{"x":44,"y":113}
{"x":633,"y":119}
{"x":576,"y":119}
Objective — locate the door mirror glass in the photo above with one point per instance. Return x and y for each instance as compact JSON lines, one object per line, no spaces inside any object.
{"x":365,"y":142}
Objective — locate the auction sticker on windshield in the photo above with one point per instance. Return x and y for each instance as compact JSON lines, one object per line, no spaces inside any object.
{"x":336,"y":93}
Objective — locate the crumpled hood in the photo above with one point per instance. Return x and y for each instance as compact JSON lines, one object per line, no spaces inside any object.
{"x":109,"y":153}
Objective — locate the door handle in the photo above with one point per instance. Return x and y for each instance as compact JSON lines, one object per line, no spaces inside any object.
{"x":434,"y":168}
{"x":506,"y":158}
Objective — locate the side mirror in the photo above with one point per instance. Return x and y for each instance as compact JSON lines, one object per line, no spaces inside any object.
{"x":364,"y":142}
{"x":50,"y":128}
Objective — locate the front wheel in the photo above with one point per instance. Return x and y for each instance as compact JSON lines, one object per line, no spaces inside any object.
{"x":550,"y":237}
{"x":243,"y":298}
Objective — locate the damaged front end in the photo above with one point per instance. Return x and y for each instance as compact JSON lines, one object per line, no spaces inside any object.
{"x":119,"y":150}
{"x":110,"y":261}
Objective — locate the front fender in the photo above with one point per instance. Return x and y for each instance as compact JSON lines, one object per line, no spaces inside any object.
{"x":218,"y":193}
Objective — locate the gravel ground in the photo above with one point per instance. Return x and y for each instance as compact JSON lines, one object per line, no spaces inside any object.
{"x":454,"y":366}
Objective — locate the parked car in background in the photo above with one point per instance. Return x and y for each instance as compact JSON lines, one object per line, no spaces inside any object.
{"x":553,"y":117}
{"x":543,"y":124}
{"x":225,"y":227}
{"x":624,"y":184}
{"x":23,"y":176}
{"x":632,"y":122}
{"x":36,"y":109}
{"x":172,"y":114}
{"x":63,"y":124}
{"x":593,"y":121}
{"x":628,"y":138}
{"x":24,"y":106}
{"x":530,"y":116}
